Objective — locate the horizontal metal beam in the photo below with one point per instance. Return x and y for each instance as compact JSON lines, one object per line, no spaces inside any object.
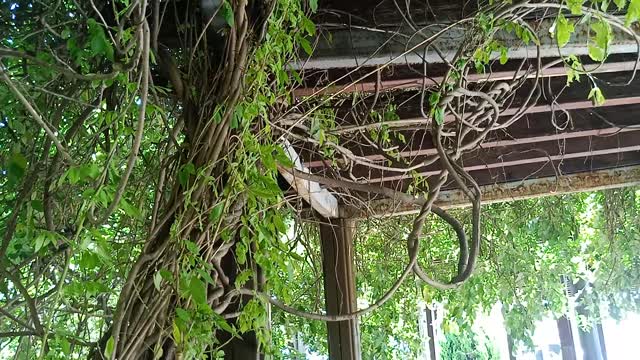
{"x":419,"y":82}
{"x":518,"y":190}
{"x":502,"y":142}
{"x":528,"y":160}
{"x":351,"y":48}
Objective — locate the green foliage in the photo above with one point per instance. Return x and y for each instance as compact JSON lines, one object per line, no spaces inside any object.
{"x":76,"y":73}
{"x":563,"y":30}
{"x":98,"y":43}
{"x":81,"y":268}
{"x":600,"y":41}
{"x":527,"y":246}
{"x":633,"y":12}
{"x":227,"y":13}
{"x":596,"y":96}
{"x":465,"y":346}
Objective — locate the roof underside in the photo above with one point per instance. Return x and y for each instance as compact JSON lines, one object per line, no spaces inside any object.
{"x":561,"y":134}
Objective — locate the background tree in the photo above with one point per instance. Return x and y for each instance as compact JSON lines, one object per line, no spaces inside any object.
{"x":140,"y":206}
{"x":528,"y":247}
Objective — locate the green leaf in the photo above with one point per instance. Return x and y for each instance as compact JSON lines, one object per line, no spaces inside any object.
{"x":66,"y":33}
{"x":183,"y":314}
{"x":306,"y":45}
{"x":596,"y":53}
{"x":575,"y":6}
{"x":439,"y":115}
{"x":243,"y":277}
{"x":198,"y":291}
{"x":596,"y":96}
{"x":65,"y":345}
{"x":503,"y":55}
{"x":223,"y":324}
{"x":563,"y":30}
{"x":177,"y":336}
{"x":166,"y":275}
{"x":157,"y":280}
{"x":84,"y":172}
{"x":129,"y":209}
{"x":16,"y":167}
{"x":108,"y":349}
{"x":184,"y":173}
{"x":227,"y":13}
{"x":282,"y":158}
{"x":88,"y":261}
{"x":308,"y":26}
{"x":313,"y":4}
{"x":40,"y":242}
{"x":37,"y":205}
{"x":633,"y":12}
{"x":98,"y":42}
{"x":600,"y":41}
{"x":216,"y":212}
{"x":620,"y":4}
{"x":573,"y":66}
{"x":192,"y":247}
{"x":434,"y":99}
{"x":206,"y":276}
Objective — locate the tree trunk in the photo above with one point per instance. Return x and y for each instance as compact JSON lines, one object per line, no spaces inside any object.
{"x":187,"y":267}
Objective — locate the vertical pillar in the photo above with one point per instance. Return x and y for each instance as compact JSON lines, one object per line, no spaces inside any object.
{"x":590,"y":341}
{"x":336,"y":236}
{"x":511,"y":347}
{"x":566,"y":338}
{"x":603,"y":347}
{"x":431,"y":333}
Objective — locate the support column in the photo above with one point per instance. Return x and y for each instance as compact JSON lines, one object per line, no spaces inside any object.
{"x":591,"y":342}
{"x":431,"y":333}
{"x":566,"y":338}
{"x":511,"y":347}
{"x":336,"y":236}
{"x":603,"y":346}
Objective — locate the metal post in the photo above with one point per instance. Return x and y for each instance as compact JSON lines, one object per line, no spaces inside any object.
{"x":431,"y":333}
{"x":336,"y":236}
{"x":566,"y":338}
{"x":511,"y":346}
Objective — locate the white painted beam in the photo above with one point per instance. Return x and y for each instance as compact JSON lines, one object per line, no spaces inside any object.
{"x":320,"y":199}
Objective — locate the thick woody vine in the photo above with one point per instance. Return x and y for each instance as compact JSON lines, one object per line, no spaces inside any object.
{"x":459,"y":114}
{"x":126,"y":150}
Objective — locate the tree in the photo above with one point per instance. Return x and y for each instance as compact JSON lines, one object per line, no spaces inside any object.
{"x":529,"y":247}
{"x":141,"y":211}
{"x":123,"y":203}
{"x":465,"y":346}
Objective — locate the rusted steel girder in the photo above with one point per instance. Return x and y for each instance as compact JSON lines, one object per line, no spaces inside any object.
{"x":518,"y":190}
{"x":502,"y":143}
{"x":419,"y":82}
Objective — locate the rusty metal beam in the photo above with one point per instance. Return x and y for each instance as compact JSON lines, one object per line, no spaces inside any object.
{"x":621,"y":143}
{"x":419,"y":82}
{"x":536,"y":109}
{"x":575,"y":105}
{"x":518,"y":190}
{"x":502,"y":142}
